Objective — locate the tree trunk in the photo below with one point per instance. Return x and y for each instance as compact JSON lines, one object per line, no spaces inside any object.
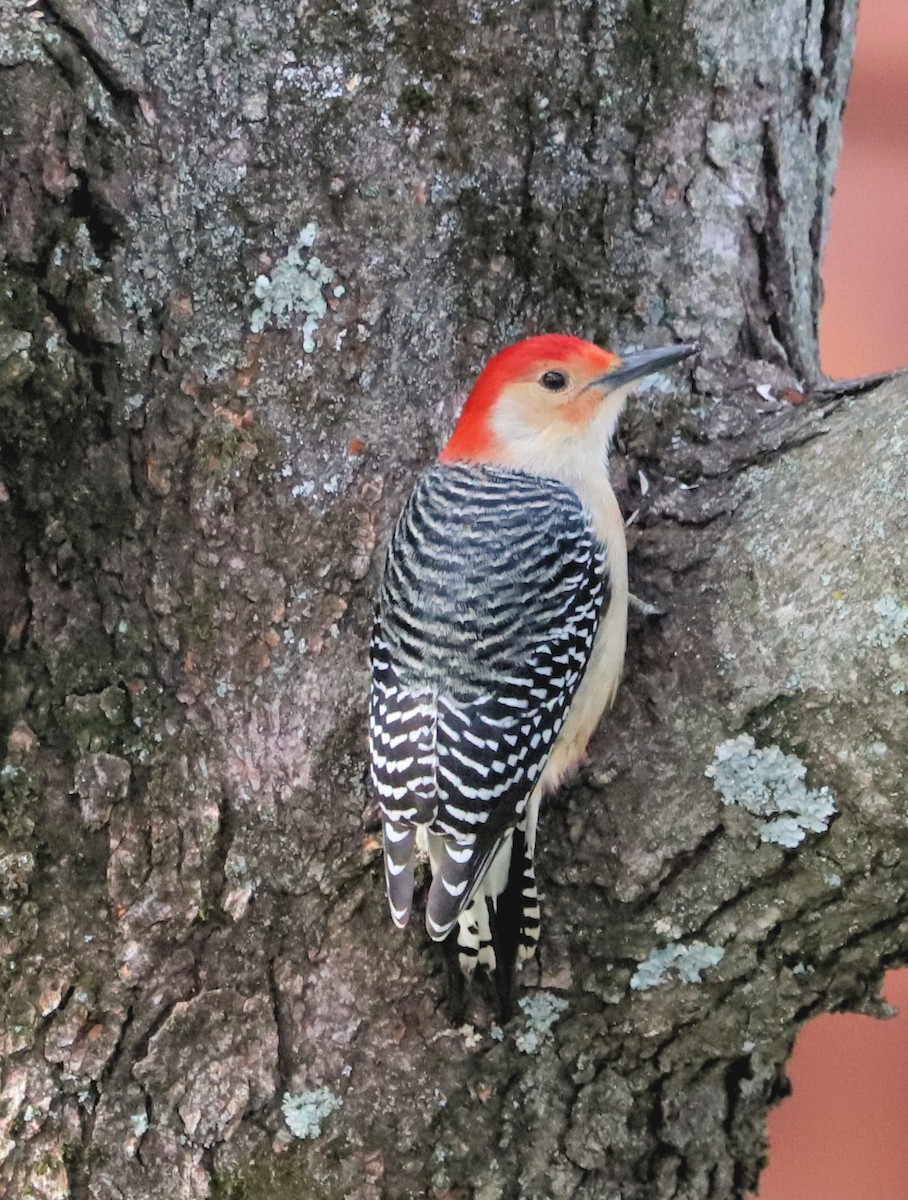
{"x":254,"y":254}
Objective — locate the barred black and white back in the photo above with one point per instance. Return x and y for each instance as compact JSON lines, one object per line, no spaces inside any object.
{"x":492,"y":595}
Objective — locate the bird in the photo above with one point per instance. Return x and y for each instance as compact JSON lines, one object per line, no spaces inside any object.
{"x":499,"y":637}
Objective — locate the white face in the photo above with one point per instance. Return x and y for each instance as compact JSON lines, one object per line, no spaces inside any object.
{"x":555,"y":421}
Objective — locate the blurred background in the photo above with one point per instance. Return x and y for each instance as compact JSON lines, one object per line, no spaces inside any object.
{"x":843,"y":1133}
{"x":864,"y":322}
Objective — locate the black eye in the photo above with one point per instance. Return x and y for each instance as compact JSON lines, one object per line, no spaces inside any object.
{"x":554,"y":381}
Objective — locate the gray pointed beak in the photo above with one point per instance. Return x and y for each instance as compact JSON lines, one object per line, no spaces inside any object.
{"x":645,"y":362}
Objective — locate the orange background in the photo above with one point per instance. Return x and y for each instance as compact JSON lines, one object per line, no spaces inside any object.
{"x":843,"y":1134}
{"x":864,"y":322}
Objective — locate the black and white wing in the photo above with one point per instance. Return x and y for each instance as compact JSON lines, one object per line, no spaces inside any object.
{"x":490,"y":602}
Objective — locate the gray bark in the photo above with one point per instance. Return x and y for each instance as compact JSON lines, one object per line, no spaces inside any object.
{"x":198,"y":472}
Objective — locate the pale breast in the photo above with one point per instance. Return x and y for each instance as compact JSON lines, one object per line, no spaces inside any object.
{"x":597,"y":689}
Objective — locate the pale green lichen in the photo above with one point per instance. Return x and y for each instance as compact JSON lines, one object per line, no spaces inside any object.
{"x":893,"y":623}
{"x":687,"y":962}
{"x":542,"y":1010}
{"x":305,"y":1113}
{"x":769,"y":783}
{"x":21,"y":36}
{"x":294,"y":288}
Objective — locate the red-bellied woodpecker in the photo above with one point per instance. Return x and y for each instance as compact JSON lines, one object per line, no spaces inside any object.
{"x":500,"y":633}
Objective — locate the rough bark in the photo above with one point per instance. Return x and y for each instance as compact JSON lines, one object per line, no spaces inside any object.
{"x":208,"y":423}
